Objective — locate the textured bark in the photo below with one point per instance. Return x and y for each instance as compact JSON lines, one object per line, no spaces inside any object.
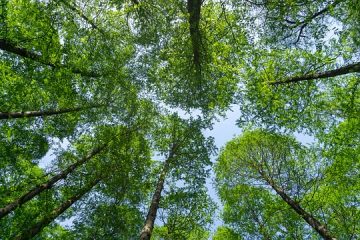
{"x":311,"y":220}
{"x":194,"y":9}
{"x":151,"y":216}
{"x":11,"y":47}
{"x":351,"y":68}
{"x":28,"y":114}
{"x":48,"y":184}
{"x":37,"y":227}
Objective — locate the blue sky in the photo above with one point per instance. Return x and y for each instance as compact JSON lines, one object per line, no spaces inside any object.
{"x":223,"y":131}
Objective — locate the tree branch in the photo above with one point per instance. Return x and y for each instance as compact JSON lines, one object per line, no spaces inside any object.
{"x":82,"y":15}
{"x":347,"y":69}
{"x":12,"y":48}
{"x":29,"y":114}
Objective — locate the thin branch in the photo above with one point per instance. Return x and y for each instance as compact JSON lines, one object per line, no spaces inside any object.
{"x":74,"y":8}
{"x":8,"y":46}
{"x":304,"y":23}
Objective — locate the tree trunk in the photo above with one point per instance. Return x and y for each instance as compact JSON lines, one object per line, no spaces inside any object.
{"x":47,"y":185}
{"x":351,"y":68}
{"x":151,"y":216}
{"x":311,"y":220}
{"x":10,"y":47}
{"x":28,"y":114}
{"x":194,"y":10}
{"x":37,"y":227}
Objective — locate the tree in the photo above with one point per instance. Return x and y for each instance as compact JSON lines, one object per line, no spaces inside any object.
{"x":187,"y":152}
{"x":185,"y":213}
{"x":278,"y":161}
{"x":48,"y":184}
{"x":36,"y":228}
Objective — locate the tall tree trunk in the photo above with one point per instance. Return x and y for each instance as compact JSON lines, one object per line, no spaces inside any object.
{"x":194,"y":10}
{"x":28,"y":114}
{"x":351,"y":68}
{"x":11,"y":47}
{"x":49,"y":184}
{"x":37,"y":227}
{"x":311,"y":220}
{"x":151,"y":216}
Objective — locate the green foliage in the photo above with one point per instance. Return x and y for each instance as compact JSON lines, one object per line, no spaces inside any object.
{"x":185,"y":214}
{"x":225,"y":233}
{"x":255,"y":162}
{"x":119,"y":67}
{"x":108,"y":222}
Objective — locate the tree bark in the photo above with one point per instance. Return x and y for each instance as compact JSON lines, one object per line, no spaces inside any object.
{"x":10,"y":47}
{"x":37,"y":227}
{"x":28,"y":114}
{"x":311,"y":220}
{"x":49,"y":184}
{"x":351,"y":68}
{"x":151,"y":216}
{"x":194,"y":9}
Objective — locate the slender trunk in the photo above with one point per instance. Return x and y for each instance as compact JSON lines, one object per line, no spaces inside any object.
{"x":47,"y":185}
{"x":151,"y":216}
{"x":351,"y":68}
{"x":10,"y":47}
{"x":28,"y":114}
{"x":311,"y":220}
{"x":37,"y":227}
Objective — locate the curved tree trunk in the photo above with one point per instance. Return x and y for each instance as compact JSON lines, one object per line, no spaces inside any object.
{"x":36,"y":228}
{"x":47,"y":185}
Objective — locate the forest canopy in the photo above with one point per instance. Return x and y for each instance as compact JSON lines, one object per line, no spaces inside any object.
{"x":105,"y":106}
